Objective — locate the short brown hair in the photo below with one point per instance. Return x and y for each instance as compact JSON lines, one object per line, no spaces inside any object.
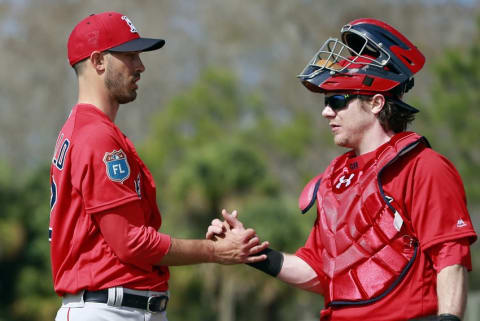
{"x":391,"y":116}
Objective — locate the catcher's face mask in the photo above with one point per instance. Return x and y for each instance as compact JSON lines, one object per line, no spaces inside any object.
{"x":337,"y":57}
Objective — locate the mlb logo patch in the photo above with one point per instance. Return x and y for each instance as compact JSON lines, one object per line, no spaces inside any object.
{"x":117,"y":166}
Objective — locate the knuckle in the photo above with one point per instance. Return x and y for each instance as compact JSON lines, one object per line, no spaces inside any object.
{"x":250,"y":231}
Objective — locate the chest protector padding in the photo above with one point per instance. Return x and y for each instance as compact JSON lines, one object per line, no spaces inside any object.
{"x":364,"y":253}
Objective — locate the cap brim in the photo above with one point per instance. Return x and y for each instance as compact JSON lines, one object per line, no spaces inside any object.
{"x":139,"y":44}
{"x":405,"y":106}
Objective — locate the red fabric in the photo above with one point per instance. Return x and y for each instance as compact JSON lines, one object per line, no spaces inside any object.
{"x":99,"y":32}
{"x":430,"y":191}
{"x":129,"y":236}
{"x":81,"y":257}
{"x":307,"y":195}
{"x":451,"y":253}
{"x":363,"y":253}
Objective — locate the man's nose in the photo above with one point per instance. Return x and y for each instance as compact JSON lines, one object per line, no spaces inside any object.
{"x":328,"y":112}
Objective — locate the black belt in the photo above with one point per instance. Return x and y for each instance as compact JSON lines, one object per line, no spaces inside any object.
{"x":155,"y":303}
{"x":428,"y":318}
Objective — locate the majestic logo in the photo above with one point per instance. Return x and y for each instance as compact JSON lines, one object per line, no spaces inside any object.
{"x":138,"y":185}
{"x":461,"y":223}
{"x":117,"y":165}
{"x":346,"y":181}
{"x":130,"y":24}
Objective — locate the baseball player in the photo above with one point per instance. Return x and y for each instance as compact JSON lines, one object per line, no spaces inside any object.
{"x":392,"y":234}
{"x":109,"y":262}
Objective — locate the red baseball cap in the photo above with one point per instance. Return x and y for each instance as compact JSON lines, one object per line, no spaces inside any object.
{"x":107,"y":31}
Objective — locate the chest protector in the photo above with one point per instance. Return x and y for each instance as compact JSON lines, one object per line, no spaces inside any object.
{"x":366,"y":244}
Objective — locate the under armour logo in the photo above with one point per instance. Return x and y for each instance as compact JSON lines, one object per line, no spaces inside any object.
{"x":130,"y":23}
{"x":346,"y":181}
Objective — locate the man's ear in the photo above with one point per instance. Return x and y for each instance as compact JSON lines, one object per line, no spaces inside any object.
{"x":98,"y":61}
{"x":377,"y":103}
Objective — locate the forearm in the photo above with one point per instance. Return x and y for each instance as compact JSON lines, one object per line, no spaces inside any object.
{"x":298,"y":273}
{"x":235,"y":248}
{"x":452,"y":290}
{"x":290,"y":269}
{"x":186,"y":252}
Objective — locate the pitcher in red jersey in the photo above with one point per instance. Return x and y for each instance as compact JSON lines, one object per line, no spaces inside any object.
{"x":109,"y":261}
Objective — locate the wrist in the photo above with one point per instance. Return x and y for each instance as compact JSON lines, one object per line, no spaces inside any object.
{"x":211,"y":251}
{"x":272,"y":265}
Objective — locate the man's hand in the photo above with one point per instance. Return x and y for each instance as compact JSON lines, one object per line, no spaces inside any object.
{"x":233,"y":243}
{"x":218,"y":228}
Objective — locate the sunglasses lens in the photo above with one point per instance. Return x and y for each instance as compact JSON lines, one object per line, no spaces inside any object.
{"x":336,"y":102}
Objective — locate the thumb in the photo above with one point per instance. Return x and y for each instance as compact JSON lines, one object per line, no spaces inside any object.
{"x":232,"y":219}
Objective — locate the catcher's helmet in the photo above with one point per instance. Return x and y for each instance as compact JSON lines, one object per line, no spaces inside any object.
{"x":372,"y":57}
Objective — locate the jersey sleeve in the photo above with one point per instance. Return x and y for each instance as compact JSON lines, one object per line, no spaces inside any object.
{"x":310,"y":254}
{"x":100,"y":168}
{"x":131,"y":238}
{"x":451,"y":253}
{"x":438,"y":202}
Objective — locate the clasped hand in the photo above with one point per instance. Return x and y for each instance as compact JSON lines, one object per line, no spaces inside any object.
{"x":233,"y":243}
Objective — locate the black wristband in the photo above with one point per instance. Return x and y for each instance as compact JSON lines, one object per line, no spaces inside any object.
{"x":447,"y":317}
{"x":272,"y":265}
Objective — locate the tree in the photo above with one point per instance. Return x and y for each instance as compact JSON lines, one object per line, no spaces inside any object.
{"x":212,"y":148}
{"x":24,"y":249}
{"x":452,"y":122}
{"x":452,"y":119}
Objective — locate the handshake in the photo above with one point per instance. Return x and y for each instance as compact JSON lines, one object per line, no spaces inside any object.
{"x":232,"y":243}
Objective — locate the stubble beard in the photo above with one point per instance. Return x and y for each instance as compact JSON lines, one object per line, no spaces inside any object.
{"x":118,"y":87}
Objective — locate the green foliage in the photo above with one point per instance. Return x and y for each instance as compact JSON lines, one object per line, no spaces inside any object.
{"x":452,"y":123}
{"x":24,"y":249}
{"x":212,"y":148}
{"x":452,"y":120}
{"x":217,"y":146}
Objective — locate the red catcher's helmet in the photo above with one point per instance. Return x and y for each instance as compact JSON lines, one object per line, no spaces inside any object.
{"x":372,"y":57}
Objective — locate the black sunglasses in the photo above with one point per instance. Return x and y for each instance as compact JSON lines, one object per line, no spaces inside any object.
{"x":337,"y":102}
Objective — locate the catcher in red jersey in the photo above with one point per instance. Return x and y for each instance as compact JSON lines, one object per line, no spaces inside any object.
{"x":109,"y":261}
{"x":392,"y":236}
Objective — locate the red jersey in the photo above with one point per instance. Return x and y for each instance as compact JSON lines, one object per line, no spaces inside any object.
{"x":95,"y":169}
{"x":430,"y":192}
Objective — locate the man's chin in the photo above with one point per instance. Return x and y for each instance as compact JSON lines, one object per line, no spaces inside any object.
{"x":127,"y":99}
{"x":340,"y":141}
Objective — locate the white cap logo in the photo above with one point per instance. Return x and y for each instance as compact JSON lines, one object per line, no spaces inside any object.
{"x":130,"y":24}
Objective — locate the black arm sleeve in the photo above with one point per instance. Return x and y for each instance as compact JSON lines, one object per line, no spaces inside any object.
{"x":272,"y":265}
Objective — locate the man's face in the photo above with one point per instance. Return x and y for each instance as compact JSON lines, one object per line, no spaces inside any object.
{"x":350,"y":125}
{"x":122,"y":74}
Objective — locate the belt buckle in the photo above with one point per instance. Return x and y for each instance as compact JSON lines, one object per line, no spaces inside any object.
{"x":157,"y":303}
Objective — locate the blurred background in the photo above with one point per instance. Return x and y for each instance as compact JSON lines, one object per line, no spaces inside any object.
{"x":222,"y":122}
